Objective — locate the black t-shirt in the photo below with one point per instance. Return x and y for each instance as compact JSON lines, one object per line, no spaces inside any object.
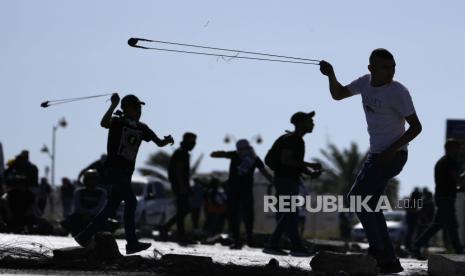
{"x":443,"y":175}
{"x":124,"y":139}
{"x":296,"y":145}
{"x":244,"y":180}
{"x":179,"y":166}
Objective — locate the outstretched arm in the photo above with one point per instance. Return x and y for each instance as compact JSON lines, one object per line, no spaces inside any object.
{"x":219,"y":154}
{"x":338,"y":91}
{"x":106,"y":119}
{"x":161,"y":143}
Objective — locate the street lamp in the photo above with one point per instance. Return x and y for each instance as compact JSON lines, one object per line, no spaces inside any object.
{"x":231,"y":138}
{"x":61,"y":123}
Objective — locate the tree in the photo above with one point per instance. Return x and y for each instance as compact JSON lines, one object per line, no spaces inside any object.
{"x":342,"y":167}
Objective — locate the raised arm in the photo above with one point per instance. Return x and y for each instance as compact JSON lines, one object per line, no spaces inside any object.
{"x":219,"y":154}
{"x":338,"y":91}
{"x":106,"y":119}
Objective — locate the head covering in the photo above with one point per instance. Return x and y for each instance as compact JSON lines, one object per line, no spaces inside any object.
{"x":300,"y":116}
{"x":247,"y":155}
{"x":130,"y":100}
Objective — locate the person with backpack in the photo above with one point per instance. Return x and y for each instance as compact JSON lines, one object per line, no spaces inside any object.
{"x":242,"y":167}
{"x":286,"y":159}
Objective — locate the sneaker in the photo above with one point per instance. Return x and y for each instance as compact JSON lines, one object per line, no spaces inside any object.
{"x":274,"y":250}
{"x":83,"y":239}
{"x":301,"y":251}
{"x":132,"y":248}
{"x":390,"y":267}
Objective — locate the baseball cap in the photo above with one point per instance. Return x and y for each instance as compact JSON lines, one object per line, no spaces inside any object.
{"x":130,"y":100}
{"x":300,"y":116}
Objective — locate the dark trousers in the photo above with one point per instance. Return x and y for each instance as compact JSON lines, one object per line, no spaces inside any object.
{"x":120,"y":189}
{"x":372,"y":181}
{"x":182,"y":210}
{"x":195,"y":216}
{"x":412,"y":228}
{"x":288,"y":222}
{"x":444,"y":219}
{"x":241,"y":208}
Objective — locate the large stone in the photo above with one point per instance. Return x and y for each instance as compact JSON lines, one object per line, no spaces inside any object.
{"x":106,"y":248}
{"x":352,"y":264}
{"x":70,"y":253}
{"x":446,"y":264}
{"x":328,"y":245}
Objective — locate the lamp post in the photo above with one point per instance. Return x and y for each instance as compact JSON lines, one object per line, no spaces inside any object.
{"x":231,"y":138}
{"x":61,"y":123}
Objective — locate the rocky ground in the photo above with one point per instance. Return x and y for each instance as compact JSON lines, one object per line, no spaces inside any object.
{"x":247,"y":261}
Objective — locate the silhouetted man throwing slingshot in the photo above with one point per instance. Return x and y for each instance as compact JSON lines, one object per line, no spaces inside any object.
{"x":387,"y":104}
{"x":125,"y":135}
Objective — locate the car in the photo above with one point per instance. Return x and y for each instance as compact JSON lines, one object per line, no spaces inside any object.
{"x":155,"y":202}
{"x":396,"y":223}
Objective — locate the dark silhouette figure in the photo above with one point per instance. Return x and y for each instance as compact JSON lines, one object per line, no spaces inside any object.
{"x":45,"y":191}
{"x":239,"y":188}
{"x":21,"y":179}
{"x":387,"y":105}
{"x":87,"y":203}
{"x":286,"y":158}
{"x":215,"y":208}
{"x":197,"y":199}
{"x":125,"y":135}
{"x":99,"y":166}
{"x":179,"y":176}
{"x":413,"y":214}
{"x":66,"y":195}
{"x":446,"y":177}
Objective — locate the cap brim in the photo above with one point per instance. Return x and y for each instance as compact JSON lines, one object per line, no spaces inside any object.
{"x":311,"y":114}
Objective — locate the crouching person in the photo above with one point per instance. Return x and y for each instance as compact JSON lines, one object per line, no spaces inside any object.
{"x":87,"y":203}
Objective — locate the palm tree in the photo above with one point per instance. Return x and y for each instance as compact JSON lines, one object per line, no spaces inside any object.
{"x":158,"y":162}
{"x":342,"y":168}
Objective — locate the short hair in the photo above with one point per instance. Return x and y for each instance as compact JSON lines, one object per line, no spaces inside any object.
{"x":450,"y":143}
{"x":189,"y":135}
{"x":380,"y":53}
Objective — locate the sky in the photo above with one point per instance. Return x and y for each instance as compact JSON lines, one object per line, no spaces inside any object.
{"x":61,"y":49}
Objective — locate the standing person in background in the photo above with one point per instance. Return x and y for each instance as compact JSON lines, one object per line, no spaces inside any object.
{"x":239,"y":191}
{"x":412,"y":217}
{"x":388,"y":106}
{"x":286,"y":159}
{"x":447,"y":176}
{"x":45,"y":191}
{"x":66,"y":196}
{"x":125,"y":135}
{"x":179,"y":174}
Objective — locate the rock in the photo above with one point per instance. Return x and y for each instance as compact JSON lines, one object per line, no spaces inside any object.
{"x":352,"y":264}
{"x":70,"y":253}
{"x":102,"y":248}
{"x":187,"y":259}
{"x":446,"y":264}
{"x":273,"y":264}
{"x":106,"y":248}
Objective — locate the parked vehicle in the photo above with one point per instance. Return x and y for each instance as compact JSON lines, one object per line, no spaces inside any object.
{"x":155,"y":203}
{"x":396,"y":224}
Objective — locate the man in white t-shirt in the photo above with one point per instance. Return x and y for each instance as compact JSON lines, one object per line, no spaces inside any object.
{"x":387,"y":105}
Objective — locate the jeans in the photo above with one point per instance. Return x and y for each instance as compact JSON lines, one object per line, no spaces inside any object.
{"x":182,"y":210}
{"x":444,"y":219}
{"x":288,"y":222}
{"x":372,"y":181}
{"x":241,"y":208}
{"x":120,"y":189}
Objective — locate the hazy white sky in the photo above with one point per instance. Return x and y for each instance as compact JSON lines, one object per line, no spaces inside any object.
{"x":60,"y":49}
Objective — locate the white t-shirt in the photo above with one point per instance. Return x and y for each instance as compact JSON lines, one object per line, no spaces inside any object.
{"x":385,"y":110}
